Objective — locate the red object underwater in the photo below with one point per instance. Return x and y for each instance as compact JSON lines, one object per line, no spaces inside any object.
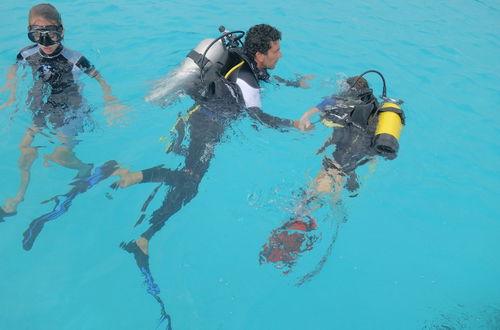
{"x":288,"y":242}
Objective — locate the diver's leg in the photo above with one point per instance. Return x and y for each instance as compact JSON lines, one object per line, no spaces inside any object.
{"x":204,"y":135}
{"x":178,"y":196}
{"x":65,"y":156}
{"x":184,"y":186}
{"x":329,"y":182}
{"x":28,"y":156}
{"x":67,"y":130}
{"x":154,"y":174}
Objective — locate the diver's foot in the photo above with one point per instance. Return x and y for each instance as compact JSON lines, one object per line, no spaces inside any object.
{"x":4,"y":214}
{"x":136,"y":246}
{"x":10,"y":208}
{"x":126,"y":178}
{"x":84,"y":171}
{"x":143,"y":243}
{"x":140,"y":256}
{"x":46,"y":162}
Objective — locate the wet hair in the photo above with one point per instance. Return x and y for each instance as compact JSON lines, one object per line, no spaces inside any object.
{"x":259,"y":37}
{"x":361,"y":83}
{"x":46,"y":11}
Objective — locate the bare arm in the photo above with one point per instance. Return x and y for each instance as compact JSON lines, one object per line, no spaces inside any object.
{"x":112,"y":110}
{"x":106,"y":89}
{"x":10,"y":85}
{"x":305,"y":120}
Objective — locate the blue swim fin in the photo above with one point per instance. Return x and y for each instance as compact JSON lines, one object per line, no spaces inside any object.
{"x":63,"y":202}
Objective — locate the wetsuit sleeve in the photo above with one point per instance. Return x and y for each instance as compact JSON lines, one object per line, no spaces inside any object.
{"x":20,"y":61}
{"x":84,"y":65}
{"x":22,"y":56}
{"x":326,"y":102}
{"x":272,"y":121}
{"x":160,"y":174}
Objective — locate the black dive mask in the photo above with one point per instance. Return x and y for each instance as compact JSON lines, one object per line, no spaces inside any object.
{"x":45,"y":35}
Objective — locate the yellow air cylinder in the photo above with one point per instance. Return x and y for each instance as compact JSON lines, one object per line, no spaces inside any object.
{"x":390,"y":124}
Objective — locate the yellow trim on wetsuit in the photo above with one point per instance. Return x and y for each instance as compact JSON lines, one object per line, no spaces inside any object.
{"x":233,"y":68}
{"x":190,"y":112}
{"x":329,"y":123}
{"x":172,"y":130}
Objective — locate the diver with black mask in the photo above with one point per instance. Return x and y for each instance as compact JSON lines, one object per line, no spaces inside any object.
{"x":55,"y":99}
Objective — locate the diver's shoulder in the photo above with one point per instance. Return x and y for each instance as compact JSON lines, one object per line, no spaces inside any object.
{"x":28,"y":51}
{"x":246,"y":74}
{"x":72,"y":55}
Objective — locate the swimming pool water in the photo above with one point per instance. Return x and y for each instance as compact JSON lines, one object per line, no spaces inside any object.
{"x":419,"y":249}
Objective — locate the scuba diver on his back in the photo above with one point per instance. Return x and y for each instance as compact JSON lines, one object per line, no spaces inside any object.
{"x":363,"y":129}
{"x":224,"y":98}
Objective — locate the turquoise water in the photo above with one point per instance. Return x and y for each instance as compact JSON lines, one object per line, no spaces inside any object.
{"x":419,"y":249}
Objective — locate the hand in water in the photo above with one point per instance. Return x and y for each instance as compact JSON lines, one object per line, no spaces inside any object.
{"x":304,"y":79}
{"x":11,"y":98}
{"x":115,"y":113}
{"x":304,"y":123}
{"x":127,"y":178}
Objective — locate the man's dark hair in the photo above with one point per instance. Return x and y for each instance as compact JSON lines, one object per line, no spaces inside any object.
{"x":46,"y":11}
{"x":360,"y":83}
{"x":259,"y":37}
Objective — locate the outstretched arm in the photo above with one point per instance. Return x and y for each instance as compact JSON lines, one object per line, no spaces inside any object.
{"x":112,"y":110}
{"x":10,"y":85}
{"x":269,"y":120}
{"x":301,"y":81}
{"x":305,"y":120}
{"x":275,"y":122}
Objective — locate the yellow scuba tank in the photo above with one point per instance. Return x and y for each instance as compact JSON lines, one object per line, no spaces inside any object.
{"x":390,"y":118}
{"x":389,"y":126}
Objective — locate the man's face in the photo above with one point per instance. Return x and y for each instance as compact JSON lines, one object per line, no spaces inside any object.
{"x":269,"y":60}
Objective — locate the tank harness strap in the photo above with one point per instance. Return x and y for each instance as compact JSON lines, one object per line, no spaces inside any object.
{"x":197,"y":58}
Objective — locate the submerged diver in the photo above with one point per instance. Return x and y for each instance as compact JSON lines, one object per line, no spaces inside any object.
{"x":363,"y":129}
{"x":226,"y":99}
{"x":55,"y":99}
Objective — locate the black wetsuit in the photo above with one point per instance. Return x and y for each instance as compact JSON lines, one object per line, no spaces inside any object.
{"x":55,"y":97}
{"x":353,"y":139}
{"x":218,"y":108}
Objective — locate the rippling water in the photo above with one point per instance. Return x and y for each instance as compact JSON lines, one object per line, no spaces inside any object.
{"x":419,"y":249}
